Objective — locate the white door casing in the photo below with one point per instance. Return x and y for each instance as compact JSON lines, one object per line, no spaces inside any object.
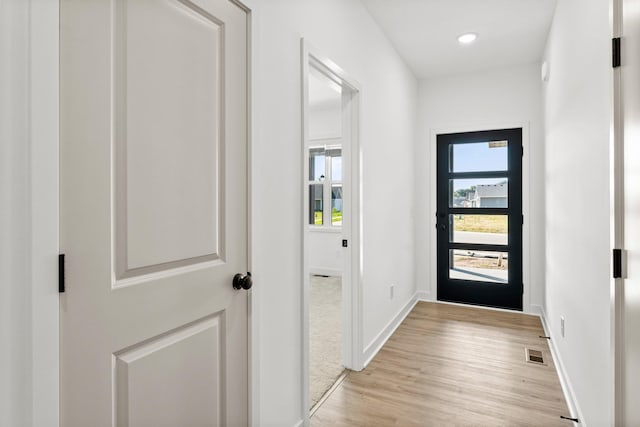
{"x":626,"y":226}
{"x":153,"y":187}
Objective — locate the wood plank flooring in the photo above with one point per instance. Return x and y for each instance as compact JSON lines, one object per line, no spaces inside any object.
{"x":449,"y":365}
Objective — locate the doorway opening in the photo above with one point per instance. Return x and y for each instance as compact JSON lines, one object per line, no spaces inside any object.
{"x":331,"y":247}
{"x":479,"y":218}
{"x":324,"y":234}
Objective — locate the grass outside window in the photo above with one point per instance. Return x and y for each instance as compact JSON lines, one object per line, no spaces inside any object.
{"x":336,"y":216}
{"x":481,"y":223}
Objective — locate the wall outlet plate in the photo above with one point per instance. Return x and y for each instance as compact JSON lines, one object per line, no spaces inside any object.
{"x":544,"y":72}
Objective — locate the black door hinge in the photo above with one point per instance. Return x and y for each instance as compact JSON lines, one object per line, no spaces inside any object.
{"x":617,"y":263}
{"x":615,"y":52}
{"x":61,"y":273}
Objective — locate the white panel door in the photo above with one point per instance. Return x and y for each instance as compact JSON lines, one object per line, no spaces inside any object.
{"x":153,"y":181}
{"x":630,"y":83}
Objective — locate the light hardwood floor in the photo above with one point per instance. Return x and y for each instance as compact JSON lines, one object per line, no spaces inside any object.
{"x":449,"y":365}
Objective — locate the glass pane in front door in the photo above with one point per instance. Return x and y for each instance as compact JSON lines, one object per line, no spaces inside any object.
{"x":479,"y":229}
{"x":479,"y":193}
{"x":479,"y":266}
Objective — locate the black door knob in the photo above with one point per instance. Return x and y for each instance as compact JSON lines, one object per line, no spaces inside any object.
{"x":240,"y":281}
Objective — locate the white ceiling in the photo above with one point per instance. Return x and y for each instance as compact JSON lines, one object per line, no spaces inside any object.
{"x":424,"y":32}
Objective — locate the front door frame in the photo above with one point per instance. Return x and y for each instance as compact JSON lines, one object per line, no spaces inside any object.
{"x":469,"y":291}
{"x":527,"y":305}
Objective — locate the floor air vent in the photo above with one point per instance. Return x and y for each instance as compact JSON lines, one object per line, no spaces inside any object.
{"x":534,"y":356}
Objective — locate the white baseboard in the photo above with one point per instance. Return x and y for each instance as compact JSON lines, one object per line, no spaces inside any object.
{"x":535,"y":309}
{"x":374,"y":347}
{"x":565,"y":383}
{"x":321,"y":271}
{"x":299,"y":423}
{"x":424,"y":296}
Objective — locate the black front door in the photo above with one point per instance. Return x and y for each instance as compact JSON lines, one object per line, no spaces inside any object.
{"x":479,"y":218}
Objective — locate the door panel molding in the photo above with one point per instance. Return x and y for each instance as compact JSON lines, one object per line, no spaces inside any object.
{"x":150,"y":134}
{"x":136,"y":387}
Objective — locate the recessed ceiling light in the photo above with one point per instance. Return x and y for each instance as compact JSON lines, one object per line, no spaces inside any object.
{"x":467,"y":38}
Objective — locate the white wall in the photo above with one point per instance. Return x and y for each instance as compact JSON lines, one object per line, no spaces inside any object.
{"x":577,"y":110}
{"x":504,"y":97}
{"x":343,"y":31}
{"x":325,"y":252}
{"x":325,"y":122}
{"x":28,"y":213}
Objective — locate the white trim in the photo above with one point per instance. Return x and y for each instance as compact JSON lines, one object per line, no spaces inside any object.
{"x":565,"y":383}
{"x":324,"y":229}
{"x":526,"y":205}
{"x":424,"y":296}
{"x":15,"y":282}
{"x":29,"y":211}
{"x":305,"y":280}
{"x":536,"y":310}
{"x":252,"y":8}
{"x":353,"y":228}
{"x":381,"y":339}
{"x":299,"y":423}
{"x":43,"y":133}
{"x":616,"y":220}
{"x":352,"y":209}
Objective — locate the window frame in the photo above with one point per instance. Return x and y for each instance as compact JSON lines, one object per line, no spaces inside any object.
{"x":328,"y":145}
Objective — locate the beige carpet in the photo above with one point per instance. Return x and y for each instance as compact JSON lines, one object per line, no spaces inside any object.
{"x":325,"y":335}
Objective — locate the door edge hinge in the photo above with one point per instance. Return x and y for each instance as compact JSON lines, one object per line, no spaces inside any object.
{"x":61,"y":275}
{"x":617,"y":263}
{"x":616,"y":54}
